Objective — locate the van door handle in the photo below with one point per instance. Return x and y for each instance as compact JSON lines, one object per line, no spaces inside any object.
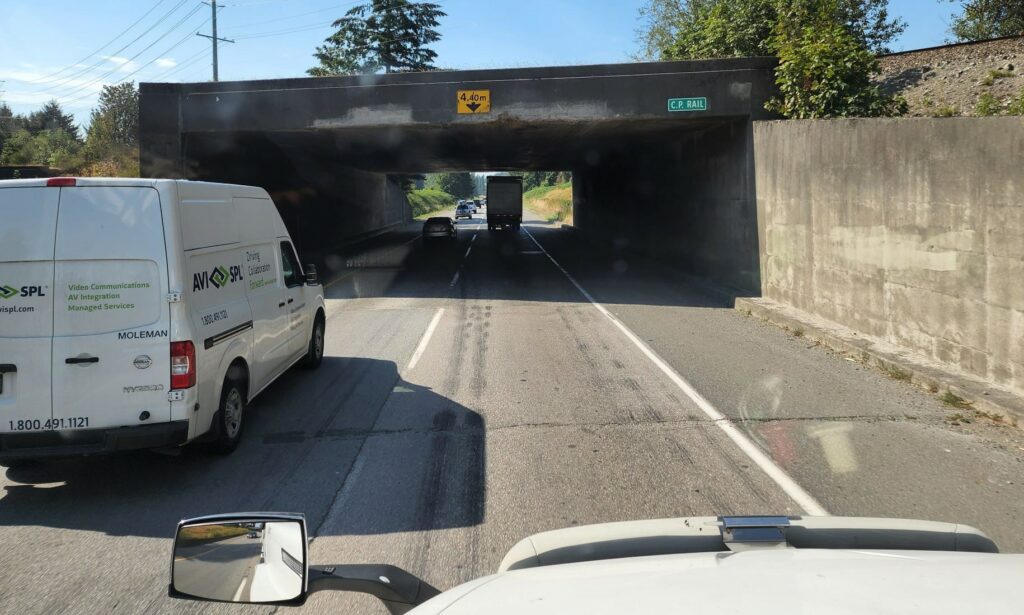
{"x":79,"y":360}
{"x":291,"y":300}
{"x":280,"y":304}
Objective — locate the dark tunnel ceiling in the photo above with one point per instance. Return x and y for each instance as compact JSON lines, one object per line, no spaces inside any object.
{"x":467,"y":147}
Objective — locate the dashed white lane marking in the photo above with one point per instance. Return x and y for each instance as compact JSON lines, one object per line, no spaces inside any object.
{"x":804,"y":499}
{"x":422,"y":346}
{"x":455,"y":278}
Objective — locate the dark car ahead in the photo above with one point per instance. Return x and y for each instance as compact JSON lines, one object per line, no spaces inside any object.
{"x":439,"y":228}
{"x":463,"y":211}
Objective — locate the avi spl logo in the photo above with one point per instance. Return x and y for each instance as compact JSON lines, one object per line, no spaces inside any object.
{"x":6,"y":292}
{"x":218,"y":277}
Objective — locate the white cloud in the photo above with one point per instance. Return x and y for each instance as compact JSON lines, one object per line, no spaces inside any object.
{"x":166,"y":62}
{"x":124,"y":65}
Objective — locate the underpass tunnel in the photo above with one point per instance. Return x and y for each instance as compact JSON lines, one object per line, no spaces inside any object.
{"x":678,"y":191}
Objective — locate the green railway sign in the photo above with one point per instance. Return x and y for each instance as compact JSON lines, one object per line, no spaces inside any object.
{"x":688,"y":104}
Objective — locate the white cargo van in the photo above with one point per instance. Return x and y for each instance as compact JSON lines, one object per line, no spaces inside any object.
{"x":143,"y":313}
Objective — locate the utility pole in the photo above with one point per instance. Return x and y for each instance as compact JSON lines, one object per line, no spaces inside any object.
{"x":213,"y":38}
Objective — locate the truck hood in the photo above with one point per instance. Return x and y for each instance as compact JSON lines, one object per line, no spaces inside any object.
{"x":764,"y":581}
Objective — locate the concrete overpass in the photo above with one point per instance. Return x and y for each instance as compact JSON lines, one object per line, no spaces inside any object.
{"x":674,"y":180}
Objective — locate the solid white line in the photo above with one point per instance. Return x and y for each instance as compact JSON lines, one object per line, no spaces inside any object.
{"x":238,"y":592}
{"x":425,"y":339}
{"x":455,"y":279}
{"x":785,"y":481}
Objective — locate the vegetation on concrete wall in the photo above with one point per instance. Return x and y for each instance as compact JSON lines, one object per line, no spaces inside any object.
{"x":429,"y":200}
{"x":826,"y":48}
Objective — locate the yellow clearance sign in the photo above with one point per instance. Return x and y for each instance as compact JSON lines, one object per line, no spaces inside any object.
{"x":473,"y":101}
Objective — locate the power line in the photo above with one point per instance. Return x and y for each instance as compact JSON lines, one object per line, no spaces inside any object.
{"x":47,"y":78}
{"x":144,"y":50}
{"x":180,"y":42}
{"x":66,"y":80}
{"x":308,"y":27}
{"x":283,"y":32}
{"x":189,"y":61}
{"x":296,"y":16}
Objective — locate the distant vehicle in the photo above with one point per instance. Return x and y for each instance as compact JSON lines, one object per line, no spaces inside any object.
{"x":477,"y":203}
{"x":439,"y":228}
{"x":505,"y":202}
{"x":253,"y":535}
{"x":463,"y":211}
{"x":144,"y":313}
{"x":472,"y":205}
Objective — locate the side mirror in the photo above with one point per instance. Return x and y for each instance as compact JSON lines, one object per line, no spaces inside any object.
{"x":261,"y":558}
{"x":311,"y":275}
{"x":241,"y":558}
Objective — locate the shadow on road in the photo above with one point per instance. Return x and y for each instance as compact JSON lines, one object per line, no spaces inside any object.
{"x":421,"y":464}
{"x":510,"y":266}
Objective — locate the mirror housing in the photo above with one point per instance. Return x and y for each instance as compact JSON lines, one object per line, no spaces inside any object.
{"x":262,"y":558}
{"x":251,"y":558}
{"x":312,"y":278}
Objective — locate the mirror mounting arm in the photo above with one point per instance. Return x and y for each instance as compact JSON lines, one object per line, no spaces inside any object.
{"x":399,"y":590}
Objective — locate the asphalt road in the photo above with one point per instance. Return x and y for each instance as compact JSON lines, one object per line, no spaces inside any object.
{"x":220,"y":570}
{"x":471,"y":395}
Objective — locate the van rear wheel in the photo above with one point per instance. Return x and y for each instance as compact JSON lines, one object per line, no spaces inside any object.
{"x":315,"y":352}
{"x":230,"y":416}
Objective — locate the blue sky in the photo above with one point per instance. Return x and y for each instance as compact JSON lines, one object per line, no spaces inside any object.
{"x":73,"y":47}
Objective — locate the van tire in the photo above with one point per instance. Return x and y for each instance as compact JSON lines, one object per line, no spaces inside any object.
{"x":315,"y":351}
{"x":230,"y":416}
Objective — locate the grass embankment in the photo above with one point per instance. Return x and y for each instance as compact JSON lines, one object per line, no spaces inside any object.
{"x":210,"y":533}
{"x":429,"y":201}
{"x":553,"y":203}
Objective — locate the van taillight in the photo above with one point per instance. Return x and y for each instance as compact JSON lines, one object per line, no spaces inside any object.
{"x":183,"y":365}
{"x":60,"y":182}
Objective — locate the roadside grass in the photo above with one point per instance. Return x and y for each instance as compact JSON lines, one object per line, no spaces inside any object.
{"x":994,"y":75}
{"x":207,"y":533}
{"x":952,"y":399}
{"x":429,"y":201}
{"x":894,"y":372}
{"x":553,"y":203}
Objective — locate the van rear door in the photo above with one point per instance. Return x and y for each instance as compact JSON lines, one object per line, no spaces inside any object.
{"x":29,"y":216}
{"x":111,"y":344}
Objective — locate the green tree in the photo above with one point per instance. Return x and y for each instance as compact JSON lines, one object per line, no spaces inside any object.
{"x":698,"y":29}
{"x":661,"y":24}
{"x":55,"y":148}
{"x":115,"y":120}
{"x":982,"y":19}
{"x":824,"y":70}
{"x":52,"y":117}
{"x":388,"y":35}
{"x":9,"y":123}
{"x":111,"y":143}
{"x":459,"y":185}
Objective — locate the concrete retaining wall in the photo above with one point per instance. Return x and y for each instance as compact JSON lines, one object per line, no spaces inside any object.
{"x":907,"y":230}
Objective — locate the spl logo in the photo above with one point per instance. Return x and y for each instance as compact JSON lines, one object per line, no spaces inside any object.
{"x":6,"y":292}
{"x":217,"y":277}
